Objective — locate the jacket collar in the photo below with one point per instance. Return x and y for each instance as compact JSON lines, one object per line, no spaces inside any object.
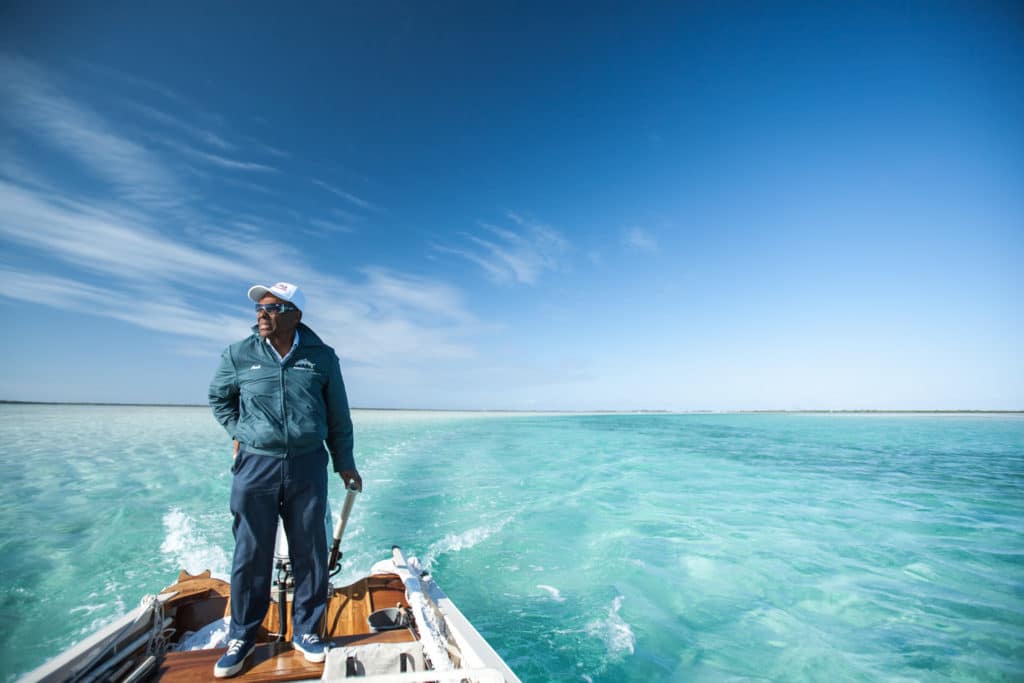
{"x":307,"y":337}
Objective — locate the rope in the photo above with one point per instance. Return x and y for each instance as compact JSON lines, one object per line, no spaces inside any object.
{"x":156,"y":641}
{"x":159,"y":637}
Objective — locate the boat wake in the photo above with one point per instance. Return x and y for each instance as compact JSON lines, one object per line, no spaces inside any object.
{"x":467,"y":539}
{"x":617,"y":635}
{"x":106,"y":611}
{"x":187,"y":548}
{"x":556,"y":594}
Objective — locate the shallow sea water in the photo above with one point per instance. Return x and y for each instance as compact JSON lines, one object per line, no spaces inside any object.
{"x":584,"y":547}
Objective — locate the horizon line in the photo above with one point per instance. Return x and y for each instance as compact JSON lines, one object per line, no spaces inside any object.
{"x":646,"y":411}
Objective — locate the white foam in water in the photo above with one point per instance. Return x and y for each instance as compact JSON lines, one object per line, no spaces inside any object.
{"x":618,"y":637}
{"x":463,"y":541}
{"x":556,"y":595}
{"x":698,"y":567}
{"x":87,"y":609}
{"x":189,"y":549}
{"x":106,"y":610}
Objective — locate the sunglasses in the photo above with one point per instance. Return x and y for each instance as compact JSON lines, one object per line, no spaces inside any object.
{"x":274,"y":309}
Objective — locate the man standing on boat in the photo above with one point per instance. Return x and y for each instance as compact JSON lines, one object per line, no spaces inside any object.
{"x":280,"y":396}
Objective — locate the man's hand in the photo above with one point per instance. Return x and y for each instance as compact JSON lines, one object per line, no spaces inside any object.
{"x":234,"y":453}
{"x":352,"y":477}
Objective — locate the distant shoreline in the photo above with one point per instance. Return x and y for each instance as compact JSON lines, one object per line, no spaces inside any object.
{"x":815,"y":411}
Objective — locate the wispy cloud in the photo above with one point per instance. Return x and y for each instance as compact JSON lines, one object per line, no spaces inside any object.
{"x":385,"y":317}
{"x":268,"y":149}
{"x":239,"y":182}
{"x":99,"y":240}
{"x":35,"y":104}
{"x":15,"y":169}
{"x":638,"y":239}
{"x":215,"y":159}
{"x":139,"y":264}
{"x":331,"y":226}
{"x":392,"y":318}
{"x":201,"y":135}
{"x":108,"y":73}
{"x":173,"y":316}
{"x":347,"y":196}
{"x":519,"y":254}
{"x":414,"y":295}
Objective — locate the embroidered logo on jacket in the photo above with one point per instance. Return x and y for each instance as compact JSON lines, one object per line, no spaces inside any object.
{"x":256,"y":367}
{"x":305,"y":364}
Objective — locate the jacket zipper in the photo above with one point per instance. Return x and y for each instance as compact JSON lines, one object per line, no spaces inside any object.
{"x":284,"y":411}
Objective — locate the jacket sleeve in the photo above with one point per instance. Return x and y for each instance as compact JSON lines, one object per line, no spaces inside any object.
{"x":339,"y":421}
{"x":224,"y":394}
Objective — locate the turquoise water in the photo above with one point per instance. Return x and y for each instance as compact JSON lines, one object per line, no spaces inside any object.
{"x":585,"y":548}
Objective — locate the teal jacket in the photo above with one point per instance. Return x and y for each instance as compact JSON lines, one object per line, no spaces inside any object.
{"x":281,"y":410}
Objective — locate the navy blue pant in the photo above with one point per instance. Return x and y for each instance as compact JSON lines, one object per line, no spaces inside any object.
{"x":294,"y":488}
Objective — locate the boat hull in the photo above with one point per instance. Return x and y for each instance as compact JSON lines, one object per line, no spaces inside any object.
{"x":428,"y":638}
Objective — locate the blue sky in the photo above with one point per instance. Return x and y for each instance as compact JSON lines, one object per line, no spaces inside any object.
{"x":675,"y":206}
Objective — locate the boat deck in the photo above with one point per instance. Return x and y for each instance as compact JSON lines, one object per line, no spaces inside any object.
{"x":345,"y":625}
{"x":192,"y":613}
{"x":269,"y":662}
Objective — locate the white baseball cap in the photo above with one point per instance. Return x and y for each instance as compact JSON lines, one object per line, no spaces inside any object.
{"x":282,"y":290}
